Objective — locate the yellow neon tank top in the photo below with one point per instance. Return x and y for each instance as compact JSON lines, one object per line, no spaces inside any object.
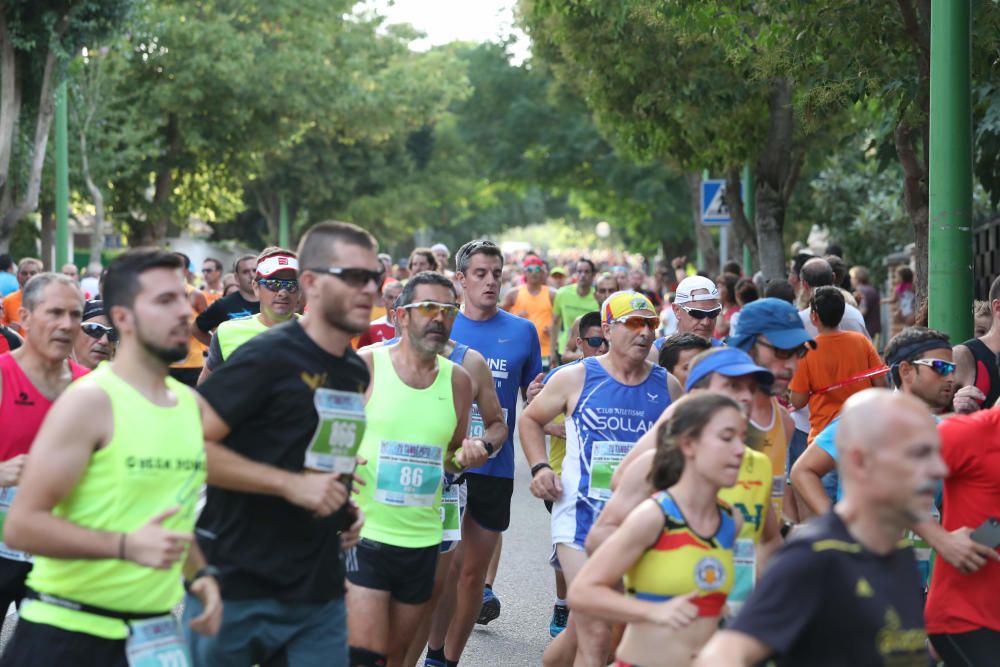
{"x":682,"y":561}
{"x":405,"y":441}
{"x":154,"y":461}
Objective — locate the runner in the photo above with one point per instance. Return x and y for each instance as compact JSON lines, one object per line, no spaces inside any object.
{"x":417,"y":422}
{"x":817,"y":273}
{"x":675,"y":589}
{"x":678,"y":351}
{"x":611,"y":400}
{"x":977,"y":362}
{"x":276,"y":406}
{"x":27,"y":268}
{"x":31,"y":378}
{"x":98,"y":340}
{"x":510,"y":346}
{"x":188,"y":370}
{"x":382,"y":328}
{"x":571,"y":302}
{"x":422,"y":259}
{"x":533,"y":301}
{"x":770,"y":331}
{"x":731,"y":372}
{"x":604,"y":286}
{"x":844,"y":590}
{"x":211,"y":274}
{"x":697,"y":308}
{"x":107,"y":499}
{"x":239,"y":304}
{"x":277,"y":290}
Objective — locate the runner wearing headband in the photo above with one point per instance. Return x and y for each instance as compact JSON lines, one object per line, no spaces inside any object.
{"x":99,"y":338}
{"x":697,"y":308}
{"x":675,"y":550}
{"x":610,"y":401}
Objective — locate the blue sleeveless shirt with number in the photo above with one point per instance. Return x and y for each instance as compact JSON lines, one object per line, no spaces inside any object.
{"x":608,"y":419}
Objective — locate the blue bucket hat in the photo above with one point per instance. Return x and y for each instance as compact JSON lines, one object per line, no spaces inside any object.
{"x":775,"y":318}
{"x":728,"y":361}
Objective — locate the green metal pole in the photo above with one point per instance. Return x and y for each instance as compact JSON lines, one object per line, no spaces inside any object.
{"x":283,"y":223}
{"x":750,"y":211}
{"x":62,"y":180}
{"x":949,"y":280}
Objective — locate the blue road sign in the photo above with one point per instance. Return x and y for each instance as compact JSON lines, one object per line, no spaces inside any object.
{"x":713,"y":203}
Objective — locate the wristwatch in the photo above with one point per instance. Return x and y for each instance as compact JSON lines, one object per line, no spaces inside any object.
{"x":537,"y":467}
{"x":488,"y":447}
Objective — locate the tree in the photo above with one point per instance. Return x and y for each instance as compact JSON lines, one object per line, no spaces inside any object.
{"x":37,"y":38}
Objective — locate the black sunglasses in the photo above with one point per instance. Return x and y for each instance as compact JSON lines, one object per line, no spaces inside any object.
{"x":595,"y":341}
{"x":275,"y":285}
{"x":354,"y":277}
{"x":782,"y":353}
{"x":95,"y":330}
{"x":699,"y":314}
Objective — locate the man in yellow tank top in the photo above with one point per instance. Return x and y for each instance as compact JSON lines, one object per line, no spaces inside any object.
{"x":768,"y":332}
{"x":533,"y":301}
{"x":417,"y":407}
{"x":107,"y":500}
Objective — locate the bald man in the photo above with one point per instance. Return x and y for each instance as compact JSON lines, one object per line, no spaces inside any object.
{"x":844,"y":589}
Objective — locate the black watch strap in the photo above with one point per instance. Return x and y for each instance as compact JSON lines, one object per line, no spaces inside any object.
{"x":206,"y":571}
{"x":537,"y":467}
{"x":488,"y":446}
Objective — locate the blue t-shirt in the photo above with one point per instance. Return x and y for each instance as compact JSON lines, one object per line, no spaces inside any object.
{"x":510,"y":345}
{"x":8,"y":283}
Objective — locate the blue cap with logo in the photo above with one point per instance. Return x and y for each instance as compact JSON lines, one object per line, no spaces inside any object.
{"x":728,"y":361}
{"x":775,"y":318}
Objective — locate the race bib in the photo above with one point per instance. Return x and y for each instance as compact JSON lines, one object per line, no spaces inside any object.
{"x":477,"y":428}
{"x":334,"y":445}
{"x":6,"y":498}
{"x":778,"y":494}
{"x":744,"y":574}
{"x":156,"y":642}
{"x":605,"y":457}
{"x":408,"y":474}
{"x":450,"y":514}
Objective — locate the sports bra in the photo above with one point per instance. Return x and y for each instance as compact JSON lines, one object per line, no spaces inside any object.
{"x":682,"y":561}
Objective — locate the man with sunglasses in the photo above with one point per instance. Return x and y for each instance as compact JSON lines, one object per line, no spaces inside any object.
{"x":770,"y":331}
{"x":696,"y":305}
{"x":31,"y":378}
{"x":211,"y":274}
{"x":571,"y":302}
{"x":236,"y":305}
{"x":610,"y":402}
{"x":604,"y":286}
{"x":277,"y":290}
{"x":417,"y":409}
{"x":99,"y":338}
{"x":510,"y":347}
{"x":277,"y":512}
{"x":533,"y":301}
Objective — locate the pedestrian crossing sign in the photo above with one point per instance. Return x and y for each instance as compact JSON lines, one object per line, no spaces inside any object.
{"x":713,"y":203}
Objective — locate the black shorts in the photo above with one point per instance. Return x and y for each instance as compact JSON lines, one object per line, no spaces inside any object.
{"x":408,"y":574}
{"x":41,"y":645}
{"x":489,"y":501}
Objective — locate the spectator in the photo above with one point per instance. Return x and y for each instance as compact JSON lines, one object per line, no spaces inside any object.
{"x":839,"y":357}
{"x":637,"y":283}
{"x":868,"y":300}
{"x":27,"y":269}
{"x":726,"y":284}
{"x":734,"y":268}
{"x":795,"y":278}
{"x":982,"y":316}
{"x":841,"y":277}
{"x":977,"y":362}
{"x":91,"y":281}
{"x":441,"y":254}
{"x":815,"y":273}
{"x":746,"y":292}
{"x":8,"y":276}
{"x":780,"y":289}
{"x":71,"y":271}
{"x":422,"y":259}
{"x":903,"y":302}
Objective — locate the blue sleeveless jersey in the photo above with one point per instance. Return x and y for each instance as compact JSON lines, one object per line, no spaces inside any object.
{"x":510,"y":345}
{"x":608,"y":419}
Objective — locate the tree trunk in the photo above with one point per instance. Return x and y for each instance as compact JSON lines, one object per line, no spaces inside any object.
{"x":742,"y":233}
{"x":915,"y":200}
{"x":46,"y":112}
{"x":10,"y":98}
{"x":269,"y":207}
{"x":97,"y":235}
{"x":703,"y":235}
{"x":47,"y":240}
{"x":155,"y":233}
{"x":777,"y":172}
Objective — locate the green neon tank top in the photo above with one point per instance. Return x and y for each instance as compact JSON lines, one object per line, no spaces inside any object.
{"x":233,"y":333}
{"x":405,"y":441}
{"x":154,"y":461}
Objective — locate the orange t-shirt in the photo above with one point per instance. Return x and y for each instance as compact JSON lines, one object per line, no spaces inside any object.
{"x":11,"y":304}
{"x":837,"y":357}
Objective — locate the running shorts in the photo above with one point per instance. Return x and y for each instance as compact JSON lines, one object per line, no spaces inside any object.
{"x":489,"y":501}
{"x":408,"y":574}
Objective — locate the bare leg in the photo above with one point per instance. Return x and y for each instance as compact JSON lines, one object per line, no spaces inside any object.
{"x":560,"y":585}
{"x":368,"y":618}
{"x":478,"y":545}
{"x":491,"y":573}
{"x":403,"y":622}
{"x":593,"y":636}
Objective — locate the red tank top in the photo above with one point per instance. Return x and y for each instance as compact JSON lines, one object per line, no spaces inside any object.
{"x":22,"y":407}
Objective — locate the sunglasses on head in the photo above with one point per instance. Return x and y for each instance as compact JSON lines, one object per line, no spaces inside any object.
{"x":699,"y":314}
{"x":939,"y":366}
{"x":432,"y":308}
{"x":354,"y":277}
{"x":276,"y":285}
{"x":637,"y":322}
{"x":97,"y":331}
{"x":595,"y":341}
{"x":780,"y":353}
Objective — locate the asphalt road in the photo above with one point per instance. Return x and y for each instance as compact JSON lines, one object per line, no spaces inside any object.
{"x":524,"y":585}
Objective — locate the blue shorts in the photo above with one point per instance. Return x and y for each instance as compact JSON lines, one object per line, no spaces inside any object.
{"x":271,"y":633}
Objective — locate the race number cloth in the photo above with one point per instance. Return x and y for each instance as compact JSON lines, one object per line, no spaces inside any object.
{"x":408,"y":475}
{"x":156,"y":642}
{"x":341,"y":427}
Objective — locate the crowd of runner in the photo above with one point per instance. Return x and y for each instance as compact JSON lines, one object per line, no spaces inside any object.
{"x":315,"y":454}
